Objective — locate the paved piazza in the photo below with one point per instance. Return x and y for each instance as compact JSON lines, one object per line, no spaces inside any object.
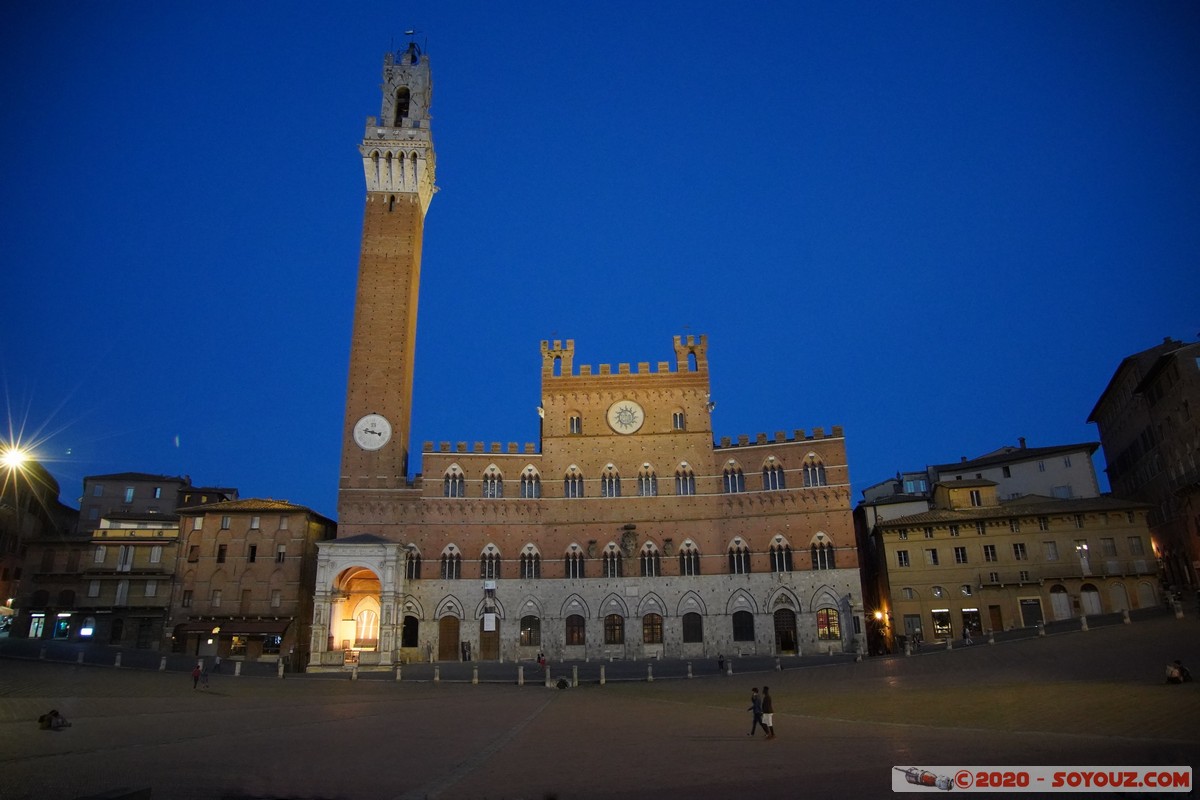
{"x":1074,"y":698}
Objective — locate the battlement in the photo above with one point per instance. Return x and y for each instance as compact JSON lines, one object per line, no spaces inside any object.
{"x":558,"y":360}
{"x":780,"y":437}
{"x":511,"y":448}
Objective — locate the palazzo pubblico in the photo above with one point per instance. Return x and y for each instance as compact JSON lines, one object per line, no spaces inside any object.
{"x":628,"y":531}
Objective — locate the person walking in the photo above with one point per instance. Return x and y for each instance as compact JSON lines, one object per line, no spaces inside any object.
{"x":768,"y":712}
{"x":195,"y":676}
{"x":756,"y":707}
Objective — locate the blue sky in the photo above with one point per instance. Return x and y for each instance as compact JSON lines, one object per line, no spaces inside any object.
{"x":938,"y":225}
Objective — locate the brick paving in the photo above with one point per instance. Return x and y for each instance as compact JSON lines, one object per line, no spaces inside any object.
{"x":1083,"y":698}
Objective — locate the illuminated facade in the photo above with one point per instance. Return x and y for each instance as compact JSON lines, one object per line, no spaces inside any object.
{"x":627,"y":531}
{"x":970,"y":561}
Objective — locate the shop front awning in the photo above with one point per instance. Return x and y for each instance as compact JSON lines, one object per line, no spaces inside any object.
{"x":235,"y":627}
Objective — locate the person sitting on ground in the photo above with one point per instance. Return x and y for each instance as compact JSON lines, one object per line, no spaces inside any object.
{"x":52,"y":721}
{"x":1177,"y":672}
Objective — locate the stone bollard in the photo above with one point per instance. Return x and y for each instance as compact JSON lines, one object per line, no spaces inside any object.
{"x":354,"y":672}
{"x":1125,"y":616}
{"x":399,"y":673}
{"x":907,"y":648}
{"x":521,"y":675}
{"x":689,"y":669}
{"x":991,"y":637}
{"x":162,"y":664}
{"x":437,"y":674}
{"x":601,"y":674}
{"x":475,"y":675}
{"x":1178,"y":609}
{"x":42,"y":654}
{"x":949,"y":643}
{"x":117,"y":663}
{"x":279,"y":668}
{"x":779,"y":665}
{"x":546,"y":678}
{"x":237,"y":669}
{"x":649,"y":673}
{"x":1041,"y":629}
{"x":1083,"y":622}
{"x":729,"y":667}
{"x":575,"y":676}
{"x":79,"y":659}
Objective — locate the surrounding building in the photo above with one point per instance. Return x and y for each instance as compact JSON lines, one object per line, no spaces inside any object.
{"x":244,"y":580}
{"x":127,"y":572}
{"x":627,"y":531}
{"x":30,"y":512}
{"x":975,"y":563}
{"x":1062,"y":471}
{"x":106,"y":574}
{"x":140,"y":493}
{"x":1150,"y":429}
{"x":1006,"y":484}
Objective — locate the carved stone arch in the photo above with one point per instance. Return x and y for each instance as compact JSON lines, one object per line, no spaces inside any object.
{"x":449,"y":606}
{"x":450,"y":549}
{"x":531,"y":549}
{"x":574,"y":604}
{"x":652,"y":604}
{"x":784,"y":598}
{"x":411,"y":606}
{"x":691,"y":602}
{"x":819,"y":538}
{"x":738,"y":542}
{"x":741,"y":600}
{"x":824,"y":596}
{"x":574,"y":547}
{"x":612,"y":604}
{"x":493,"y":605}
{"x":492,"y":469}
{"x":490,"y":549}
{"x":779,"y":540}
{"x":530,"y":606}
{"x":531,"y":470}
{"x":454,"y":469}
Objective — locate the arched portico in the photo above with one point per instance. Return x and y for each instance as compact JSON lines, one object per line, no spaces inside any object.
{"x":359,"y":588}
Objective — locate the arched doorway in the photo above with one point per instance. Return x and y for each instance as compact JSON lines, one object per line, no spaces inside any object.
{"x":785,"y":631}
{"x":489,"y":641}
{"x":448,"y":628}
{"x":1119,"y":597}
{"x":410,"y":632}
{"x":1089,"y":599}
{"x":1060,"y":601}
{"x":354,"y":618}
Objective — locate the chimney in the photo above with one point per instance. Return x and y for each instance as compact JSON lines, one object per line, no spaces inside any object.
{"x":1021,"y":439}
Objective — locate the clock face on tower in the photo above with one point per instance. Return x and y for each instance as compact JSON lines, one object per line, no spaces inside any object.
{"x":625,"y":416}
{"x":372,"y":432}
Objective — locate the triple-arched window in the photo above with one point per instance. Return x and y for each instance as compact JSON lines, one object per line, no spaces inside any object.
{"x":454,"y":484}
{"x":647,"y":483}
{"x":610,"y":482}
{"x":773,"y":478}
{"x":650,"y":564}
{"x":689,"y":559}
{"x":814,"y":472}
{"x":493,"y":483}
{"x":735,"y":479}
{"x":685,"y":480}
{"x":573,"y":483}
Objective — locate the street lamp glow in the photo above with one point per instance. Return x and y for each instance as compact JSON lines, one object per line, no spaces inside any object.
{"x":13,"y":457}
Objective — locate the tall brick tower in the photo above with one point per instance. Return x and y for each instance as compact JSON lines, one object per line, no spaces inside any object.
{"x":399,"y":164}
